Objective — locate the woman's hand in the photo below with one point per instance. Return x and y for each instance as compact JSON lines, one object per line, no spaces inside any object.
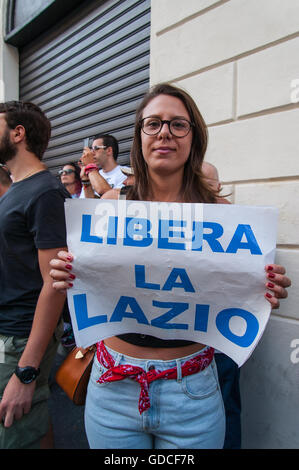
{"x":83,"y":176}
{"x":277,"y":283}
{"x":61,"y":271}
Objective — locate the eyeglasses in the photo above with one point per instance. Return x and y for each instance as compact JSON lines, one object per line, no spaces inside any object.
{"x":179,"y":127}
{"x":97,"y":147}
{"x":66,"y":172}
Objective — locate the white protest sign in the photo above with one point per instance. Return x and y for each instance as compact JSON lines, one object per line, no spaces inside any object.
{"x":2,"y":352}
{"x":169,"y":270}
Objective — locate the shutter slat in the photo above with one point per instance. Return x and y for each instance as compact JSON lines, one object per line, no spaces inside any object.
{"x":88,"y":75}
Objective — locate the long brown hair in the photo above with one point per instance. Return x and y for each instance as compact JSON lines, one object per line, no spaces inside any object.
{"x":194,"y":187}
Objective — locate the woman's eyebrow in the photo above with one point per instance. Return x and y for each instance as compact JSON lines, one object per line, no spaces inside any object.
{"x":175,"y":117}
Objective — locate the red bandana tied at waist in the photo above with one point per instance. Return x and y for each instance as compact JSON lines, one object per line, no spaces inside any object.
{"x":121,"y":372}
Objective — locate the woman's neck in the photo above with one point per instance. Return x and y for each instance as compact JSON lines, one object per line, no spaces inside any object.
{"x":166,"y":188}
{"x":71,"y":187}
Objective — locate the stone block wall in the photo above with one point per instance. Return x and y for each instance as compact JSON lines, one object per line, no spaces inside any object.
{"x":239,"y":59}
{"x":9,"y":64}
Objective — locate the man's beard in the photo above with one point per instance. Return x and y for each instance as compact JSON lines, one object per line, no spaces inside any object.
{"x":8,"y":150}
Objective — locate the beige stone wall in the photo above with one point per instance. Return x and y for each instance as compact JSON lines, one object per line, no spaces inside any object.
{"x":240,"y":61}
{"x":9,"y":64}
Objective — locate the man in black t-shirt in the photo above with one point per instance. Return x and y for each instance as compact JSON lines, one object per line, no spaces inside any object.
{"x":5,"y":180}
{"x":32,"y":231}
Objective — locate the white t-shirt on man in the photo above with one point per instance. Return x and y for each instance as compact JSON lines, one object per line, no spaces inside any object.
{"x":114,"y":178}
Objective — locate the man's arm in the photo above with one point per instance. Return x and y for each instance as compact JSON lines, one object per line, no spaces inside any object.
{"x":17,"y":397}
{"x":98,"y":183}
{"x":47,"y":313}
{"x":88,"y":191}
{"x":112,"y":194}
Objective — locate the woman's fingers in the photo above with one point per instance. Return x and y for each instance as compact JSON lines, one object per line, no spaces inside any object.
{"x":62,"y":286}
{"x":279,"y":279}
{"x":276,"y":277}
{"x":272,"y":300}
{"x":61,"y":271}
{"x":62,"y":279}
{"x":277,"y":272}
{"x":277,"y":268}
{"x":276,"y":283}
{"x":61,"y":275}
{"x":278,"y":291}
{"x":65,"y":256}
{"x":62,"y":263}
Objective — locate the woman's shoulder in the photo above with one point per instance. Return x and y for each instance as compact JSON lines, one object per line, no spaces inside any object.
{"x":222,"y":200}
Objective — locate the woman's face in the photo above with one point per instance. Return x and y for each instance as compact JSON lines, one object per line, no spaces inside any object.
{"x":163,"y":152}
{"x":68,"y":178}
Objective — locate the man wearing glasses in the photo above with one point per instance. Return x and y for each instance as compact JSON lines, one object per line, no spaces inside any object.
{"x":99,"y":169}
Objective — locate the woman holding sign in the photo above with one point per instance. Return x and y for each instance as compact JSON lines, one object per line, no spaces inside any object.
{"x":170,"y":398}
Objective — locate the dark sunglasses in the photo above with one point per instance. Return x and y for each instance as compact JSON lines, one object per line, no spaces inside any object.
{"x":66,"y":172}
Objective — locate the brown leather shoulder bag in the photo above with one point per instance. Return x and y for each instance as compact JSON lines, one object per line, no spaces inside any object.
{"x":73,"y":374}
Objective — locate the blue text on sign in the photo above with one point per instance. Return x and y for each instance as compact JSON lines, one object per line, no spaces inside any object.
{"x":129,"y":307}
{"x":137,"y":233}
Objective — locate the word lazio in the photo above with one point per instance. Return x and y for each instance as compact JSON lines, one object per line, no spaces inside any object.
{"x":171,"y":235}
{"x":129,"y":307}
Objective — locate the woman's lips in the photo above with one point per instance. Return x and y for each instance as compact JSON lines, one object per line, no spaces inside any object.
{"x":164,"y":150}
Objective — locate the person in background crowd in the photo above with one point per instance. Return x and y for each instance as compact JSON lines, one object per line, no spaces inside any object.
{"x":127,"y":183}
{"x":5,"y":180}
{"x":99,"y":169}
{"x":67,"y":339}
{"x":211,"y":175}
{"x":129,"y":173}
{"x":180,"y":406}
{"x":32,"y":231}
{"x":70,"y":178}
{"x":228,"y":370}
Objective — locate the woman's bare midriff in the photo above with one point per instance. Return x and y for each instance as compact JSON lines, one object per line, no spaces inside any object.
{"x":141,"y":352}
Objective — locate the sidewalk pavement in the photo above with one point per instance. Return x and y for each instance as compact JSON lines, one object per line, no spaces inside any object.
{"x":67,"y":418}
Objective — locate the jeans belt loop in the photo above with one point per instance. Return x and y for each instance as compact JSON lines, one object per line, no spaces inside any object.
{"x":117,"y":359}
{"x":179,"y":370}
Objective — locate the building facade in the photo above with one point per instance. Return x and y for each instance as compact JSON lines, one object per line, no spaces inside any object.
{"x":84,"y":62}
{"x":239,"y":60}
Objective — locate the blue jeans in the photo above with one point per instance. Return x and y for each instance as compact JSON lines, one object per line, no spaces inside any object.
{"x":229,"y":374}
{"x":186,"y":413}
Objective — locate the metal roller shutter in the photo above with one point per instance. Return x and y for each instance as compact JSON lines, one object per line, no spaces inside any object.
{"x":88,"y":75}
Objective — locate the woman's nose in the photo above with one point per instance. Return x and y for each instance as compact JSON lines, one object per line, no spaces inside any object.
{"x":165,"y":131}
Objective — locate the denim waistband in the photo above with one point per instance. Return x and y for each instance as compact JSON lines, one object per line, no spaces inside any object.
{"x":146,"y":363}
{"x":181,"y":367}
